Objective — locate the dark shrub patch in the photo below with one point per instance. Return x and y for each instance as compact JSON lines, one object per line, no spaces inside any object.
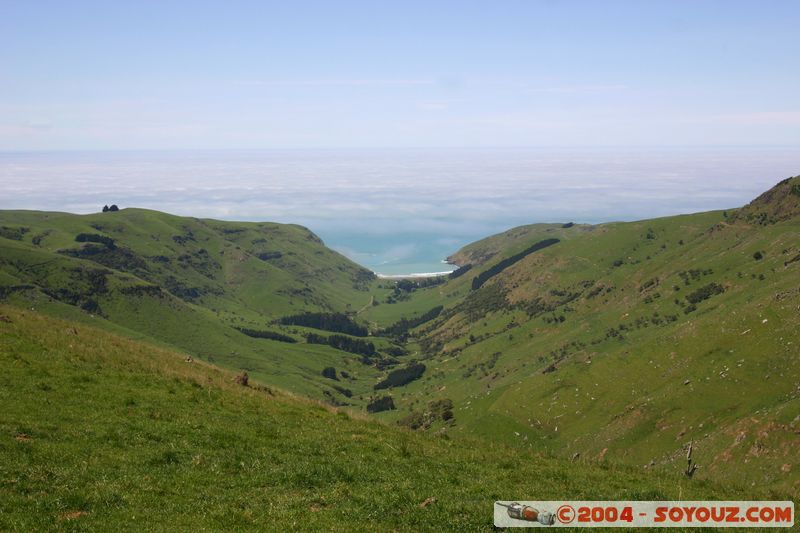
{"x":343,"y":391}
{"x":649,"y":283}
{"x":93,"y":237}
{"x":484,"y":276}
{"x":116,"y":258}
{"x":265,"y":334}
{"x":184,"y":292}
{"x":437,"y":410}
{"x":91,"y":306}
{"x":183,"y":239}
{"x":384,"y":403}
{"x":442,"y":409}
{"x":402,"y":376}
{"x":7,"y":290}
{"x":414,"y":420}
{"x":15,"y":234}
{"x":141,"y":290}
{"x":338,"y":322}
{"x":460,"y":271}
{"x":478,"y":304}
{"x":266,"y":256}
{"x":402,"y":326}
{"x":340,"y":342}
{"x":395,"y":351}
{"x":704,"y":293}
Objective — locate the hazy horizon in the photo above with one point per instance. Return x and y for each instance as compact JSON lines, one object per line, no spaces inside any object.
{"x":399,"y":211}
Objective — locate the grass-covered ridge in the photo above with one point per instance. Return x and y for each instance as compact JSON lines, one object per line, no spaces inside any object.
{"x":628,"y":340}
{"x":100,"y":432}
{"x":216,"y":289}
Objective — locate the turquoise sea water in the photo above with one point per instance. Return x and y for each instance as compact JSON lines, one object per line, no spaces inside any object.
{"x":396,"y":253}
{"x":399,"y":211}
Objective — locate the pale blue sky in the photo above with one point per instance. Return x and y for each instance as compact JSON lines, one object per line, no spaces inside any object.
{"x":293,"y":74}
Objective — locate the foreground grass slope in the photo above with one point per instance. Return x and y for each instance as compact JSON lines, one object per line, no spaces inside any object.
{"x":100,"y":432}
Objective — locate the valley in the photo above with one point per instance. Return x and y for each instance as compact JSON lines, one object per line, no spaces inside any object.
{"x":620,"y":342}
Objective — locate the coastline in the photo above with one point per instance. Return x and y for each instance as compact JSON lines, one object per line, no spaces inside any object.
{"x":413,"y":275}
{"x":418,"y":275}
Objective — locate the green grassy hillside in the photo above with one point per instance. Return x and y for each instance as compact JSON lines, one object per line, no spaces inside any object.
{"x":100,"y":432}
{"x":190,"y":283}
{"x":627,"y":340}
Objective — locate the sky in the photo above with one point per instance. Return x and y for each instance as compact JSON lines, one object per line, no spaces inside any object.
{"x":398,"y":131}
{"x":298,"y":75}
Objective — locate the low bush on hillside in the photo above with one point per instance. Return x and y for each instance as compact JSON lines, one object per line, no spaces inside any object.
{"x":704,"y":293}
{"x":483,"y":367}
{"x":436,"y":410}
{"x":648,"y":284}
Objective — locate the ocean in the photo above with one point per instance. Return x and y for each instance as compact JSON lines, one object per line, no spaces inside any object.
{"x":399,"y":211}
